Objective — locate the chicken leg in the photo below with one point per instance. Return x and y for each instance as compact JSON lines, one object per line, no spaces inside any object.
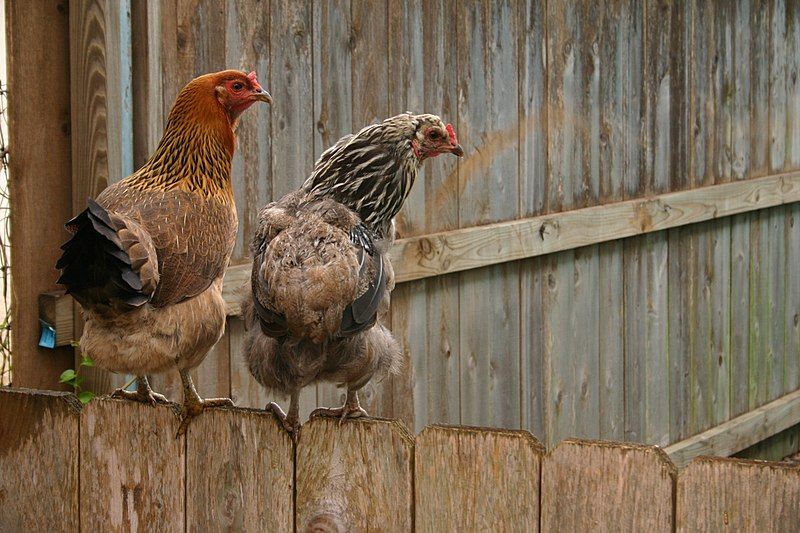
{"x":351,"y":409}
{"x":291,"y":421}
{"x":143,"y":393}
{"x":193,"y":405}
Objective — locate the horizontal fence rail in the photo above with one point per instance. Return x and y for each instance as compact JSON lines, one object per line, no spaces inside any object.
{"x":116,"y":464}
{"x":480,"y":246}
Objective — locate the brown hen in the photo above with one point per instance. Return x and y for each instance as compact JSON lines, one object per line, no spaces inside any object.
{"x":147,"y":256}
{"x":321,"y":278}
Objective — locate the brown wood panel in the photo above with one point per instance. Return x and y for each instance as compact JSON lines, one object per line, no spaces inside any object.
{"x":711,"y":496}
{"x":239,"y":472}
{"x":132,"y":473}
{"x":38,"y":460}
{"x":588,"y":485}
{"x":357,"y":476}
{"x":41,"y":181}
{"x":503,"y":469}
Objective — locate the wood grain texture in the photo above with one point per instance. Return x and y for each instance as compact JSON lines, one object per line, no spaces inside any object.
{"x":711,"y":496}
{"x":40,"y":155}
{"x":503,"y":468}
{"x":239,"y":472}
{"x":588,"y":485}
{"x":740,"y":432}
{"x":132,"y":473}
{"x":740,"y":225}
{"x":663,"y":167}
{"x":357,"y":476}
{"x":38,"y":460}
{"x":101,"y":148}
{"x":488,"y":183}
{"x":532,"y":182}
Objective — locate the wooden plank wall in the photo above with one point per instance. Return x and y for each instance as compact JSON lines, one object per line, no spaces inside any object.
{"x":237,"y":469}
{"x":559,"y":106}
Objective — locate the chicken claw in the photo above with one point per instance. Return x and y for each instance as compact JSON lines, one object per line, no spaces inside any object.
{"x":290,"y":422}
{"x":351,"y":409}
{"x":143,"y":393}
{"x":193,"y":405}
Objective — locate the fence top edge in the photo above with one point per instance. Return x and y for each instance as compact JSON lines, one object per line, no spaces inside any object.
{"x":480,"y":430}
{"x":742,"y":463}
{"x":649,"y":449}
{"x":396,"y":427}
{"x":68,"y":398}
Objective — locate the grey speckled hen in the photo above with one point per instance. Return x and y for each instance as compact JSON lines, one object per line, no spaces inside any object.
{"x":321,"y":278}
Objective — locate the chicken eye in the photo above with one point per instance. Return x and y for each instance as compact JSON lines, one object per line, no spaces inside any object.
{"x":434,"y":135}
{"x":238,"y":86}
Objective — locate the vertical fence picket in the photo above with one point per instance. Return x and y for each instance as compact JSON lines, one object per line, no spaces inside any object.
{"x":239,"y":472}
{"x":587,"y":485}
{"x":716,"y":494}
{"x":38,"y":460}
{"x":503,"y":468}
{"x":132,"y":468}
{"x":357,"y":476}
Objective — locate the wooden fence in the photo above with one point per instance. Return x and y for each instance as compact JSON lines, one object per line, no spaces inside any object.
{"x":614,"y":257}
{"x":116,"y":465}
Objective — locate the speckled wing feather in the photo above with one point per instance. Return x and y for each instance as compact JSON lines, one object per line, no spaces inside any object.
{"x":191,"y":254}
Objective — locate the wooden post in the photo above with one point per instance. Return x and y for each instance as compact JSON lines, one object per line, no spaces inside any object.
{"x":132,"y":471}
{"x":239,"y":472}
{"x":37,"y":36}
{"x":586,"y":484}
{"x":38,"y":460}
{"x":356,"y":476}
{"x":470,"y":479}
{"x":716,"y":494}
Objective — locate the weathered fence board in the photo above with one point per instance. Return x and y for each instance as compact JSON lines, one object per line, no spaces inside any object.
{"x":716,"y":494}
{"x":117,"y":466}
{"x":239,"y":472}
{"x":38,"y":460}
{"x":132,"y":468}
{"x":599,"y":486}
{"x":503,"y":468}
{"x":357,"y":476}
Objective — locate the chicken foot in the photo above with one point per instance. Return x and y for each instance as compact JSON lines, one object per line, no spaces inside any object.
{"x":351,"y":409}
{"x":193,"y":405}
{"x":291,"y":421}
{"x":143,"y":393}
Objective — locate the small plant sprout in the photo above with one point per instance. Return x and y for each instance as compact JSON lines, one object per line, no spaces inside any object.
{"x":73,"y":378}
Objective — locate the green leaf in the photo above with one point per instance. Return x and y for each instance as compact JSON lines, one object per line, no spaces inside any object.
{"x":67,"y":376}
{"x":86,"y":396}
{"x":87,"y":361}
{"x":77,"y":381}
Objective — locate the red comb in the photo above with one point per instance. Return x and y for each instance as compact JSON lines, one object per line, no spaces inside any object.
{"x":452,"y":133}
{"x":252,"y":78}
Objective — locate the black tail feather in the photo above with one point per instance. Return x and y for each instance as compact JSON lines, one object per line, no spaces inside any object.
{"x":95,"y":268}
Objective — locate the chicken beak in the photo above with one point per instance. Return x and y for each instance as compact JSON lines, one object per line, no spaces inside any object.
{"x":457,"y":150}
{"x":262,"y":95}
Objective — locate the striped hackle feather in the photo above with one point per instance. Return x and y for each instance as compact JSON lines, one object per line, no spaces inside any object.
{"x":372,"y":172}
{"x":195,"y":152}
